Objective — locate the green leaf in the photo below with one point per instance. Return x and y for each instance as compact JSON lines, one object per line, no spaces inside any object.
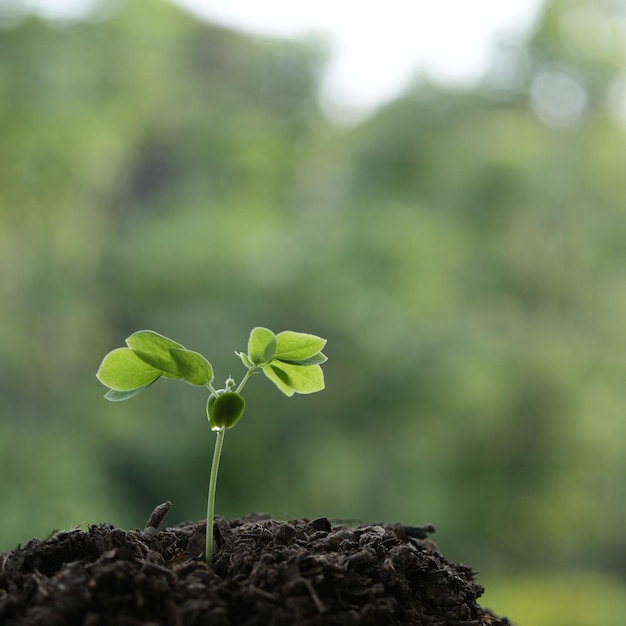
{"x":297,"y":347}
{"x":117,"y":396}
{"x":123,"y":370}
{"x":261,"y":345}
{"x":295,"y":378}
{"x":194,"y":368}
{"x":279,"y":378}
{"x":225,"y":409}
{"x":317,"y":359}
{"x":154,"y":349}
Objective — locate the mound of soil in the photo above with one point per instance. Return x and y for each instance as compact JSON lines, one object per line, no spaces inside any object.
{"x":266,"y":573}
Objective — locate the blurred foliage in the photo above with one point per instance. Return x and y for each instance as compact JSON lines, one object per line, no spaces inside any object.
{"x":462,"y":250}
{"x":546,"y":598}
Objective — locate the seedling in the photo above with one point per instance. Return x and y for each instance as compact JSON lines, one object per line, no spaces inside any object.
{"x":290,"y":360}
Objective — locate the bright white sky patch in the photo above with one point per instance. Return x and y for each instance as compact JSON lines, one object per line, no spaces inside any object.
{"x":379,"y":46}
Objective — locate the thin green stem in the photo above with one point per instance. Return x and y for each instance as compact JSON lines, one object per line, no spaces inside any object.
{"x":244,"y":380}
{"x":211,"y":500}
{"x":210,"y":510}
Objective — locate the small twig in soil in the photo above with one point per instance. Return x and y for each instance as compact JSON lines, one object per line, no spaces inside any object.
{"x":156,"y":517}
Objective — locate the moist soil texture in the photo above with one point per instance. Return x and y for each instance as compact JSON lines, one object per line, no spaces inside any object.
{"x":265,"y":573}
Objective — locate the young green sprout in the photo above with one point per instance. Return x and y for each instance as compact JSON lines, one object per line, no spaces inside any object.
{"x":290,"y":360}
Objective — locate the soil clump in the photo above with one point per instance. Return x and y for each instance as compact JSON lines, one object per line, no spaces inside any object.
{"x":265,"y":573}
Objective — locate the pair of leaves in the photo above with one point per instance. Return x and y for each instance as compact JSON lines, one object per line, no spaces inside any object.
{"x":129,"y":371}
{"x":290,"y":360}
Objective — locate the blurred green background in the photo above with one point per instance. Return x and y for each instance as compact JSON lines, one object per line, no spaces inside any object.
{"x":463,"y":250}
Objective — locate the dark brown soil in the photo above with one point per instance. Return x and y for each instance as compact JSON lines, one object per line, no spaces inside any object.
{"x":266,"y":573}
